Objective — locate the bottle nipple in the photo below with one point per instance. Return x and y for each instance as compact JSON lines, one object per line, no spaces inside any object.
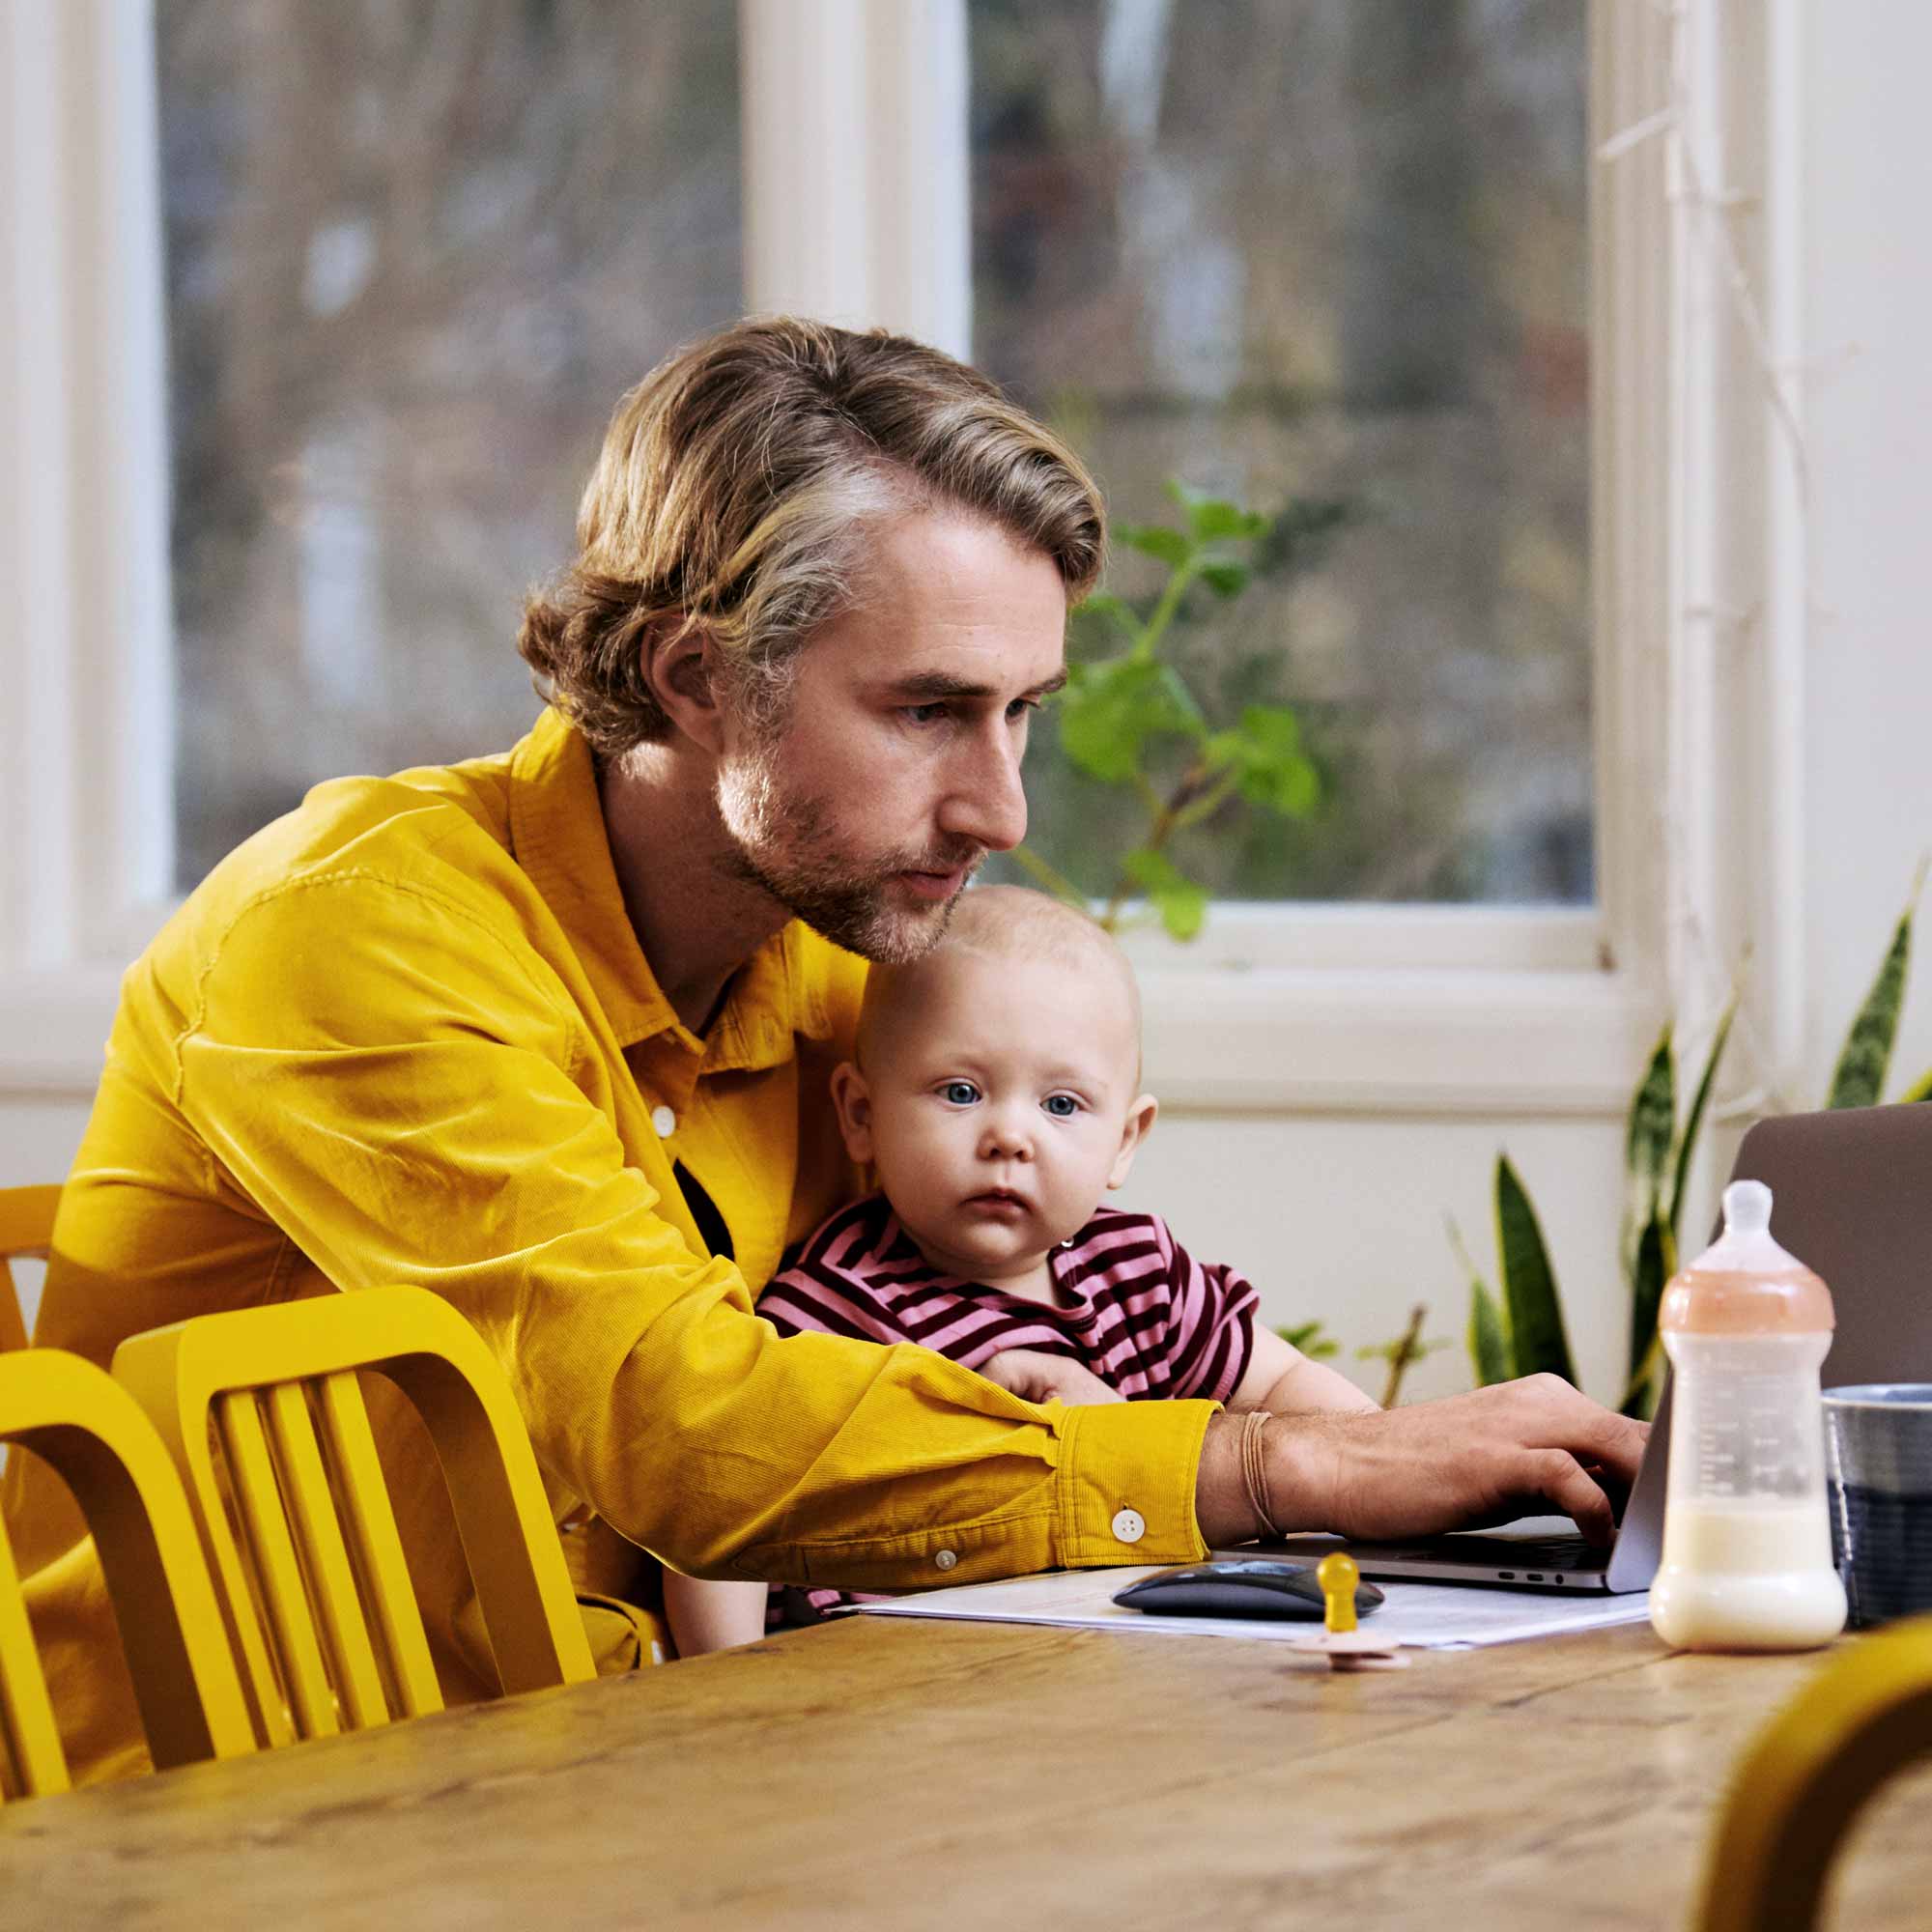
{"x":1747,"y":1208}
{"x":1745,"y":1283}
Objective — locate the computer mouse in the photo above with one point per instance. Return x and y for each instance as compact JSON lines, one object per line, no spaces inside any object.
{"x":1240,"y":1586}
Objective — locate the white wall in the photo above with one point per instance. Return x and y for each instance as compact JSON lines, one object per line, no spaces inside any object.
{"x":1342,"y":1218}
{"x":1868,"y":183}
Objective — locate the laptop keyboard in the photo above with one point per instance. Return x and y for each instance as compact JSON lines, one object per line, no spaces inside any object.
{"x":1564,"y":1553}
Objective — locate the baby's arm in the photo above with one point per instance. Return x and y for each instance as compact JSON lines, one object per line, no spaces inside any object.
{"x":713,"y":1616}
{"x":1280,"y":1377}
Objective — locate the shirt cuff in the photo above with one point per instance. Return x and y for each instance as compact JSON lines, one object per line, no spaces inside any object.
{"x":1126,"y":1482}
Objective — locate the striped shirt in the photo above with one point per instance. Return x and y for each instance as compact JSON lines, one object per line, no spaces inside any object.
{"x":1129,"y":1302}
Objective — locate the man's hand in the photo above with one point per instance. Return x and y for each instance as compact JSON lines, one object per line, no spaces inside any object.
{"x":1037,"y":1377}
{"x":1521,"y":1448}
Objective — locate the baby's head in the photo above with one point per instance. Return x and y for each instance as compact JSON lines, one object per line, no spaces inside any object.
{"x":996,"y":1087}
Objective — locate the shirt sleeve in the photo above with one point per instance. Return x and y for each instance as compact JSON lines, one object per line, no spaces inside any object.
{"x":1210,"y":1324}
{"x":410,"y":1093}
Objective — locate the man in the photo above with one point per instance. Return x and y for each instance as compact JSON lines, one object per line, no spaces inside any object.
{"x":550,"y":1033}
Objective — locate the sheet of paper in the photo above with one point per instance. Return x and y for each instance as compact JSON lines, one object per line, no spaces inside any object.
{"x":1427,"y":1616}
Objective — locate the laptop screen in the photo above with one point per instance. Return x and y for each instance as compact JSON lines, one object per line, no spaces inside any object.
{"x":1852,"y":1199}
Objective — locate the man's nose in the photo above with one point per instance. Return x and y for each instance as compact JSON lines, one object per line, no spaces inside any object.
{"x":984,"y":800}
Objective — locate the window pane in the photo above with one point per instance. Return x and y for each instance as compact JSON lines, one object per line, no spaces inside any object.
{"x":416,"y":252}
{"x":1327,"y":256}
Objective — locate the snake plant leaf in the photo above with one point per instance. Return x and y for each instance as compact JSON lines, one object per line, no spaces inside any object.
{"x":1490,"y":1354}
{"x":1183,"y":906}
{"x":1155,"y":540}
{"x":1693,"y":1121}
{"x":1858,"y":1079}
{"x":1655,"y":1262}
{"x":1489,"y":1341}
{"x":1530,"y":1285}
{"x":1919,"y":1090}
{"x":1647,"y":1138}
{"x":1109,"y":711}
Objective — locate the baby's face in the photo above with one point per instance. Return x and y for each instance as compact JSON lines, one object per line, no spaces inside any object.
{"x":1002,"y":1107}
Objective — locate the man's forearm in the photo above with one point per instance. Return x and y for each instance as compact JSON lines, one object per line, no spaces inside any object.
{"x":1436,"y":1465}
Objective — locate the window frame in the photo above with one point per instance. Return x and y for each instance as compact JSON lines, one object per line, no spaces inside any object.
{"x":858,"y":205}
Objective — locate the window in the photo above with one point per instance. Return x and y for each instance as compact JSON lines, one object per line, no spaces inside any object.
{"x":415,"y":253}
{"x":417,"y":472}
{"x":1330,"y":261}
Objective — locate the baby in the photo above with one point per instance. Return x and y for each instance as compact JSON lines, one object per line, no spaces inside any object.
{"x":996,"y":1095}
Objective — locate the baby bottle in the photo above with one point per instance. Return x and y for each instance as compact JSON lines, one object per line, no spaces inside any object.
{"x":1746,"y":1540}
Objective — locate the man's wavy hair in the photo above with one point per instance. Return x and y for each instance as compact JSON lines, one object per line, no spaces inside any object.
{"x":738,"y":487}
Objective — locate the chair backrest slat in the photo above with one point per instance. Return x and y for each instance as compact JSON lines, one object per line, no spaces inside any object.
{"x":31,"y":1759}
{"x":26,"y":1227}
{"x":93,"y":1435}
{"x":13,"y":1323}
{"x":324,"y":1559}
{"x":311,"y":1549}
{"x":375,"y":1542}
{"x":264,"y":1527}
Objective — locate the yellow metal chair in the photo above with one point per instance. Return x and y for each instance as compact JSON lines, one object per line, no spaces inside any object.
{"x":76,"y":1419}
{"x":339,"y":1644}
{"x":26,"y":1227}
{"x":1801,"y":1785}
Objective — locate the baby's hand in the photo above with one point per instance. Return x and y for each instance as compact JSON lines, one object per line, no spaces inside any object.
{"x":1035,"y":1377}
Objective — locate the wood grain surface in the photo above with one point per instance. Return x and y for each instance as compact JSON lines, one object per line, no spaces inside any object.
{"x":912,"y":1774}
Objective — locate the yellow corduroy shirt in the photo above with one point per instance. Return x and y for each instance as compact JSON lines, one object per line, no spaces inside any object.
{"x":407,"y":1034}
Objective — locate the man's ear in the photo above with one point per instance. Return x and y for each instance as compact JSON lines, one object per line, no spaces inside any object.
{"x":1138,"y":1125}
{"x":854,"y":1103}
{"x":680,"y":667}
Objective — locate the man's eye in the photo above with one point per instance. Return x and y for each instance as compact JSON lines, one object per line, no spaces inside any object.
{"x":925,"y":714}
{"x":961,"y":1093}
{"x":1020,"y":706}
{"x":1061,"y":1106}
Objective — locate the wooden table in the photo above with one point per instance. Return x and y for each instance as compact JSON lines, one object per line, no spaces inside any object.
{"x":908,"y":1775}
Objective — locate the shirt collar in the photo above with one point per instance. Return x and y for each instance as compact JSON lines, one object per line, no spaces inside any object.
{"x":557,"y":837}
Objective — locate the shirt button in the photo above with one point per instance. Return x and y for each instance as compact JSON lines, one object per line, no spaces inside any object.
{"x":1129,"y":1525}
{"x":664,"y":1123}
{"x":945,"y":1559}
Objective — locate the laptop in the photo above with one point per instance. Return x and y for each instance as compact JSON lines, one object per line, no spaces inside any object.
{"x":1851,"y":1200}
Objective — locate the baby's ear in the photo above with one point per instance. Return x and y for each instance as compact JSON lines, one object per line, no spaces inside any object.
{"x":854,"y":1103}
{"x":1138,"y":1125}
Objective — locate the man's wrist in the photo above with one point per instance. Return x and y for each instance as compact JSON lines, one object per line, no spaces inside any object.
{"x":1221,"y":1503}
{"x":1298,"y":1469}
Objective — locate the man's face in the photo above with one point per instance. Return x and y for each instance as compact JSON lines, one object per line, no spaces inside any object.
{"x":898,"y":766}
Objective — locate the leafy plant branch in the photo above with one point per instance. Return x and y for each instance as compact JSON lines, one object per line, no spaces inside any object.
{"x":1123,"y":719}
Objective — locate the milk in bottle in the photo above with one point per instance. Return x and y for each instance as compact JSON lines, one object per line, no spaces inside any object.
{"x":1747,"y":1539}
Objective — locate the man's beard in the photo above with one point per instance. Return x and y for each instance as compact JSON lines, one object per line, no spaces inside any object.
{"x":783,"y":844}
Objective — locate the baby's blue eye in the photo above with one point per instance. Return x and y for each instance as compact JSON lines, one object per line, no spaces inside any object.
{"x":1061,"y":1106}
{"x":961,"y":1093}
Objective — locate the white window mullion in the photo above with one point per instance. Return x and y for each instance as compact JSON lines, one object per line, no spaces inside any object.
{"x":40,"y":850}
{"x":856,"y":195}
{"x":124,"y":632}
{"x":85,"y":782}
